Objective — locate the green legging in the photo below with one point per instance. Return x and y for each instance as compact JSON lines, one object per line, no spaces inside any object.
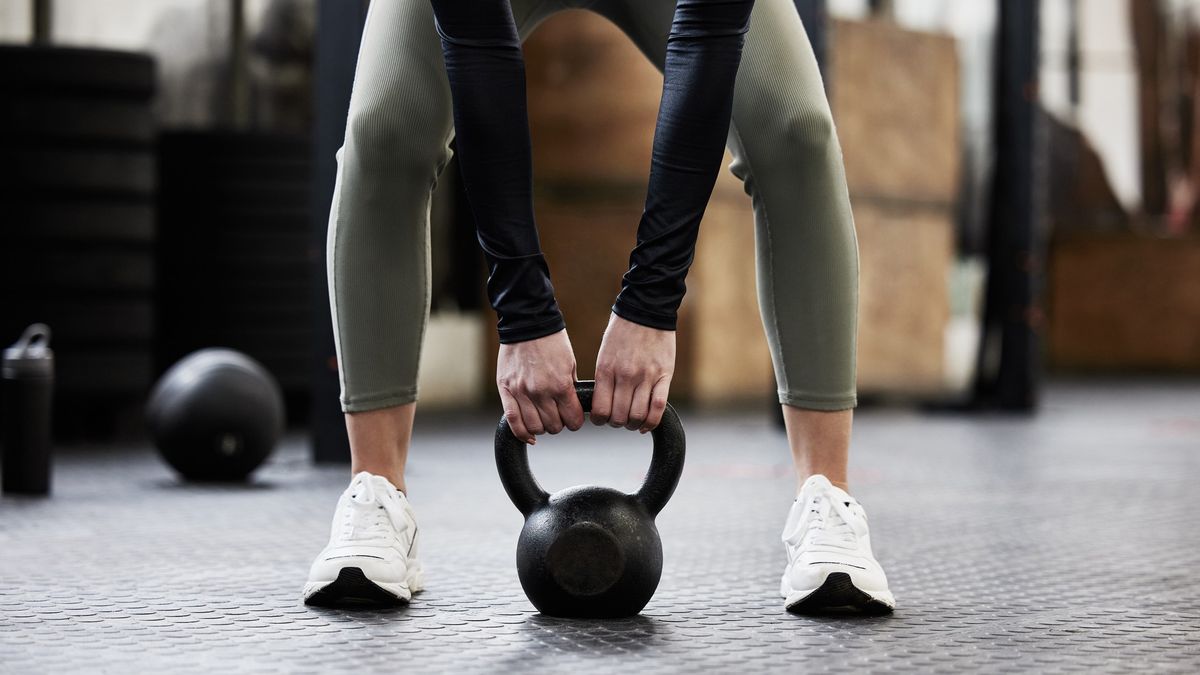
{"x":397,"y":143}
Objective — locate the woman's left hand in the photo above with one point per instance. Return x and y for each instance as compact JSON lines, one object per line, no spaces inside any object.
{"x":633,"y":375}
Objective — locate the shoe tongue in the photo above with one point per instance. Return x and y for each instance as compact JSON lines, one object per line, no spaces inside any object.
{"x":815,"y":485}
{"x":384,"y":484}
{"x":366,"y":487}
{"x":378,"y":482}
{"x":818,"y":484}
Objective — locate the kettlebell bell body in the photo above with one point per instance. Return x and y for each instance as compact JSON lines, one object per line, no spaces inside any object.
{"x":590,"y":551}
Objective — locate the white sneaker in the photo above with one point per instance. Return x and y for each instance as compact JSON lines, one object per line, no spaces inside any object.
{"x":830,"y":564}
{"x":371,"y":558}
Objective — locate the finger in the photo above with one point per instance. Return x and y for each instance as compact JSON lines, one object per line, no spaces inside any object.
{"x":529,"y":414}
{"x":622,"y":395}
{"x":639,"y":406}
{"x":569,"y":409}
{"x":512,"y":415}
{"x":658,"y":404}
{"x":547,"y":409}
{"x":602,"y":397}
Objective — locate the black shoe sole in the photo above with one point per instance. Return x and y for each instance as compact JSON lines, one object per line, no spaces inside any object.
{"x":839,"y":595}
{"x":352,"y":589}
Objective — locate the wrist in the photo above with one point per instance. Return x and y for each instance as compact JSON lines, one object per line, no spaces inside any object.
{"x":642,"y":317}
{"x":525,"y":332}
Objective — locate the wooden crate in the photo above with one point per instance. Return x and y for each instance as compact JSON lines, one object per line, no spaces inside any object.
{"x":904,"y":258}
{"x":895,"y":98}
{"x":1124,"y":302}
{"x":725,"y":356}
{"x":593,"y":101}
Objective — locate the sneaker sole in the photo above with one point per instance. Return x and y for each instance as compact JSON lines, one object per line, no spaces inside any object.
{"x":352,"y":588}
{"x":837,"y":595}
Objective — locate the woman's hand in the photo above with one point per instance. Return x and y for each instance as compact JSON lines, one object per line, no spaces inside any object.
{"x":633,"y":375}
{"x":536,"y":380}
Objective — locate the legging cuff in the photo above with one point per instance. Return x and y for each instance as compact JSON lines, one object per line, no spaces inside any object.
{"x":826,"y":404}
{"x":389,"y":399}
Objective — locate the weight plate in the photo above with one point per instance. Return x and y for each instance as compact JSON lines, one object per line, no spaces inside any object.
{"x":77,"y":321}
{"x":31,"y":119}
{"x":74,"y":69}
{"x":83,"y":221}
{"x":127,"y":172}
{"x":235,"y":145}
{"x":92,"y":271}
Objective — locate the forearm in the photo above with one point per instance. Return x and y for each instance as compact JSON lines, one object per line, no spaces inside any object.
{"x":703,"y":53}
{"x":483,"y":60}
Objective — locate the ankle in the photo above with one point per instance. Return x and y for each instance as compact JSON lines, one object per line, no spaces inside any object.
{"x":834,"y":479}
{"x":379,"y":441}
{"x":394,"y":475}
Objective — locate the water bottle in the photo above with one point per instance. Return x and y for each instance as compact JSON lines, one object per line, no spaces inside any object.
{"x":28,"y":387}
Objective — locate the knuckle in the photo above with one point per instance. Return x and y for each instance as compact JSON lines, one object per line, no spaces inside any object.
{"x":628,"y":371}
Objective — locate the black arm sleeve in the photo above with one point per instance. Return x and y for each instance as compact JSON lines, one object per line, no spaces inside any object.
{"x":487,"y":83}
{"x":703,"y":53}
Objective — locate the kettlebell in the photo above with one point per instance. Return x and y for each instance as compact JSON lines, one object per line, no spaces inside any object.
{"x":589,"y":551}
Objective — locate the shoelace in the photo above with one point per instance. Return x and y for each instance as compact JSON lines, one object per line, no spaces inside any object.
{"x":827,"y":524}
{"x":375,"y":508}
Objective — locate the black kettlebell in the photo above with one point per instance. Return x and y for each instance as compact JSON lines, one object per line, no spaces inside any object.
{"x":590,"y":551}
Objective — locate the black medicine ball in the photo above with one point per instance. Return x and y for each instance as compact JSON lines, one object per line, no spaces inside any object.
{"x":216,"y":415}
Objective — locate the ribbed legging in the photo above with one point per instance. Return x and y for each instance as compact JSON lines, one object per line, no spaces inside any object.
{"x":785,"y":151}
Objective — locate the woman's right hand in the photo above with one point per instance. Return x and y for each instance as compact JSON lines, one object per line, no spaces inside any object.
{"x":536,"y":381}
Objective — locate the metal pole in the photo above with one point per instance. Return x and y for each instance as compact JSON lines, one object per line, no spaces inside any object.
{"x":339,"y":30}
{"x":814,"y":16}
{"x":882,"y":9}
{"x":43,"y":21}
{"x":239,"y":65}
{"x":1009,"y":371}
{"x":1074,"y":93}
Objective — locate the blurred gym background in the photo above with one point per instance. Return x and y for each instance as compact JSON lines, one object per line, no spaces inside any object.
{"x":1024,"y":178}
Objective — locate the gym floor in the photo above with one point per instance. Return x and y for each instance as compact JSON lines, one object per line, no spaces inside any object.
{"x":1065,"y":542}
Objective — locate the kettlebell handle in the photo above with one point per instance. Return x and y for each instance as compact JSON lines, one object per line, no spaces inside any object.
{"x":666,"y":464}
